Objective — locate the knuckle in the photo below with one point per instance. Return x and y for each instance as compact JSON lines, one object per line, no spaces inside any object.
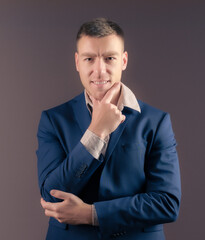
{"x":55,"y":209}
{"x":117,"y":112}
{"x":108,"y":105}
{"x":60,"y":220}
{"x":113,"y":107}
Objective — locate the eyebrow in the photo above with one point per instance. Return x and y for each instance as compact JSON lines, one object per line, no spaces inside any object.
{"x":110,"y":53}
{"x":87,"y":54}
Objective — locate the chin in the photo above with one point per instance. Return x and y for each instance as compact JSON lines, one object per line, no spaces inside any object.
{"x":99,"y":97}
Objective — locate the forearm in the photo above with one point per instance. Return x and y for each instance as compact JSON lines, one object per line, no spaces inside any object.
{"x":136,"y":212}
{"x":71,"y":175}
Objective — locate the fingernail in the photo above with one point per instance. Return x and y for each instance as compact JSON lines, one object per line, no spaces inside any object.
{"x":52,"y":192}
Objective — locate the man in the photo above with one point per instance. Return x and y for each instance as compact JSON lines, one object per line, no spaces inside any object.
{"x":107,"y":163}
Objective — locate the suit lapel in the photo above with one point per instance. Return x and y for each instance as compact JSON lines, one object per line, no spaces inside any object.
{"x":81,"y":112}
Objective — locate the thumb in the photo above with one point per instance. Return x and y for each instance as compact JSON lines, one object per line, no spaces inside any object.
{"x":59,"y":194}
{"x":112,"y":93}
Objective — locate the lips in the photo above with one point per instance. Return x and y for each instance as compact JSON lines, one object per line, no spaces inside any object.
{"x":100,"y":82}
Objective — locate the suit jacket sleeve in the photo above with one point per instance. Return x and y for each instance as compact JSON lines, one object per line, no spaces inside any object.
{"x":60,"y":170}
{"x":160,"y":202}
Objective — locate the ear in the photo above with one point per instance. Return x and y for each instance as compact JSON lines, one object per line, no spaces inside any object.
{"x":76,"y":61}
{"x":124,"y":60}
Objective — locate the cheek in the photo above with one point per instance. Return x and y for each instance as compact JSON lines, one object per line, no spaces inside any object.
{"x":117,"y":73}
{"x":83,"y":72}
{"x":86,"y":71}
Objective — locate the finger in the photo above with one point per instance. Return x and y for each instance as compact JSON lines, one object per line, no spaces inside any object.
{"x":43,"y":203}
{"x":50,"y":213}
{"x":55,"y":215}
{"x":123,"y":118}
{"x":59,"y":194}
{"x":48,"y":205}
{"x":111,"y":92}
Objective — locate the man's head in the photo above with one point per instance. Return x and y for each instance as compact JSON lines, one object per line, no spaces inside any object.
{"x":100,"y":57}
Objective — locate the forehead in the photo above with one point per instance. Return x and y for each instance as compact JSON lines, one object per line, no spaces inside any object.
{"x":100,"y":45}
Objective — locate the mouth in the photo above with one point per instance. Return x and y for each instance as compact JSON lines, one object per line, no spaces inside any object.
{"x":100,"y":83}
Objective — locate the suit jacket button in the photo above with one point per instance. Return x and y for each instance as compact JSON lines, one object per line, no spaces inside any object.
{"x":113,"y":235}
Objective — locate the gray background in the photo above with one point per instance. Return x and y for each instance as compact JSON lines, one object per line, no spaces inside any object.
{"x":165,"y":41}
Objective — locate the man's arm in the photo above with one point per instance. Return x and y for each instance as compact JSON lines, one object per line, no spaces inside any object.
{"x":58,"y":170}
{"x":160,"y":202}
{"x":71,"y":173}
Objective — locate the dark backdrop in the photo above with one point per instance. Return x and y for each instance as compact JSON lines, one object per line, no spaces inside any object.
{"x":165,"y":41}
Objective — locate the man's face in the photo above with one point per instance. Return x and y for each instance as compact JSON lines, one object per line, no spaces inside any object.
{"x":100,"y":62}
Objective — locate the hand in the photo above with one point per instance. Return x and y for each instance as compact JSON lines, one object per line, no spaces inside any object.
{"x":105,"y":116}
{"x":72,"y":210}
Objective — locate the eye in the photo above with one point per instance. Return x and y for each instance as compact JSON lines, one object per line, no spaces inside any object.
{"x":109,"y":59}
{"x":89,"y":59}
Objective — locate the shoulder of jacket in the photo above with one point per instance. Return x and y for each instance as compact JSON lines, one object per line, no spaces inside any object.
{"x":151,"y":113}
{"x":66,"y":105}
{"x":148,"y":109}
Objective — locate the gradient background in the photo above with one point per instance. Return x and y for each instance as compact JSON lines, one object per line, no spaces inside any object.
{"x":166,"y":45}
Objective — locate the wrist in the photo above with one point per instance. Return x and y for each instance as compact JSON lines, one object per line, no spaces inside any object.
{"x":87,"y":214}
{"x":100,"y":134}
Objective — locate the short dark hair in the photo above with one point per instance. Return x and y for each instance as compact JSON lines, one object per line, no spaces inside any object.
{"x":100,"y":27}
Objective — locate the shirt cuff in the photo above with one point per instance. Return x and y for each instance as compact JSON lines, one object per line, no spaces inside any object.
{"x":94,"y":216}
{"x":94,"y":144}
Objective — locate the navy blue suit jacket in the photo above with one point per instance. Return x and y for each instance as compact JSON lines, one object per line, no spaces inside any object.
{"x":135,"y":188}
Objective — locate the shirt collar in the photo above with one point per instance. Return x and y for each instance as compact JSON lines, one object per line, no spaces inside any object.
{"x":126,"y":99}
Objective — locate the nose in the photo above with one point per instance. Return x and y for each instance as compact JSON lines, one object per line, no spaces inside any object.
{"x":99,"y":67}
